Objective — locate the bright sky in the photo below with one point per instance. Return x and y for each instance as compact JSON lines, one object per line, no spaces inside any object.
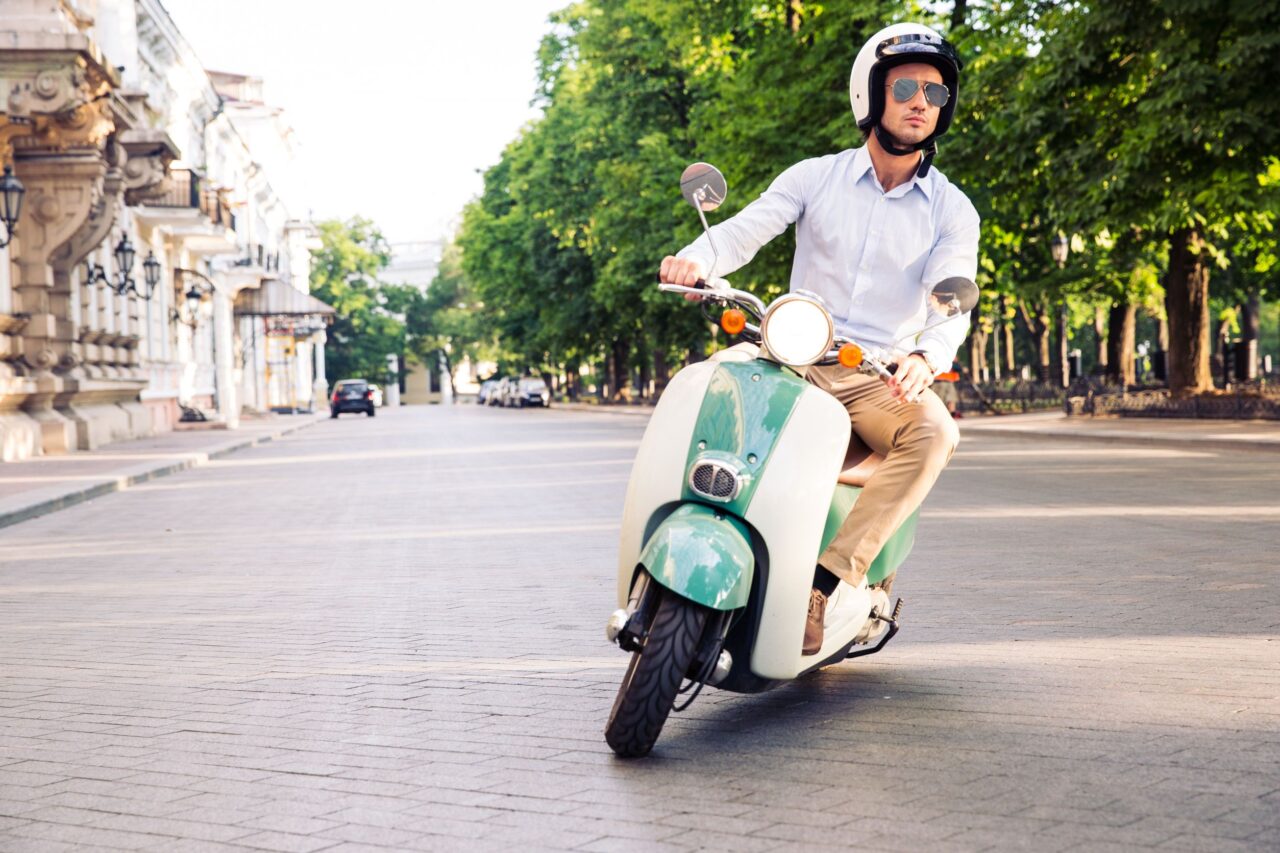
{"x":396,"y":103}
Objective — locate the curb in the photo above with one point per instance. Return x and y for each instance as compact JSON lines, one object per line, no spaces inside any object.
{"x":605,"y":410}
{"x":34,"y":505}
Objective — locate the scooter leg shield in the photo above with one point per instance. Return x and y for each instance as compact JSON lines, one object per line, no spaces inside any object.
{"x":702,"y":555}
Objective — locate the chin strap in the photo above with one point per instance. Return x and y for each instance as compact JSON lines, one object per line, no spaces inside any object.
{"x":927,"y":160}
{"x":929,"y":148}
{"x":887,"y":143}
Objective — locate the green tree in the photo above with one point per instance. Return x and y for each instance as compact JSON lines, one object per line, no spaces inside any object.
{"x":1155,"y":116}
{"x":369,"y":324}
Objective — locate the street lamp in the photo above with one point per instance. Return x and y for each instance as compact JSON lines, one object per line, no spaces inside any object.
{"x":1060,"y":248}
{"x":11,"y":193}
{"x":150,"y":274}
{"x":194,"y":296}
{"x":125,"y":255}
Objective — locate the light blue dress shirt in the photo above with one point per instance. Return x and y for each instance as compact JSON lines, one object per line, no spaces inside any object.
{"x":873,"y":256}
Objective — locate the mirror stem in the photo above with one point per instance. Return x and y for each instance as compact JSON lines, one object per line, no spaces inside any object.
{"x":706,"y":229}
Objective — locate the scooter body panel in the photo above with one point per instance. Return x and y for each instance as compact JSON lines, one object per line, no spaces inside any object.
{"x":788,"y":510}
{"x":703,"y":555}
{"x":658,"y":473}
{"x":894,"y":551}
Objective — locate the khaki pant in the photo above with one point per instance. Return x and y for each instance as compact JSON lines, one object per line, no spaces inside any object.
{"x":916,"y":439}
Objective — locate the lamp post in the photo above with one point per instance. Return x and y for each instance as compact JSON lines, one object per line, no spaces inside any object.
{"x":1060,"y":249}
{"x":11,"y":193}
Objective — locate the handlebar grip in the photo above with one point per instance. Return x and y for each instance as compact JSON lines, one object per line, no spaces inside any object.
{"x":702,"y":282}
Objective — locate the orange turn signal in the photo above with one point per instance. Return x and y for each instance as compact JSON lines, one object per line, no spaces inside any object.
{"x":733,"y":321}
{"x":850,"y":355}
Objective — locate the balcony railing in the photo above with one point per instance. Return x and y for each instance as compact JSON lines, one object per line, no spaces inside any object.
{"x":256,"y":254}
{"x":185,"y":190}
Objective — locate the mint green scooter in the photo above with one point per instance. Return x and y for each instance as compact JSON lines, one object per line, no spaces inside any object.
{"x":744,"y":474}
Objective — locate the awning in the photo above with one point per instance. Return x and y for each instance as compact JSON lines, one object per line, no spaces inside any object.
{"x":277,"y":299}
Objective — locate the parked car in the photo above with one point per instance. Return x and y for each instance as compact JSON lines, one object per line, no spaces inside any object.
{"x":531,"y":391}
{"x":506,"y":391}
{"x":351,"y":395}
{"x":487,"y":388}
{"x":377,"y":395}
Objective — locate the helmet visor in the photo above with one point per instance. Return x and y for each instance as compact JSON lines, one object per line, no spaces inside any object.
{"x":918,"y":43}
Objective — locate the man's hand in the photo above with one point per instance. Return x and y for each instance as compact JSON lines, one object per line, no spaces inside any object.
{"x":685,"y":271}
{"x":912,"y":378}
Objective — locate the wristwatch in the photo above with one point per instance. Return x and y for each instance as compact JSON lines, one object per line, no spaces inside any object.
{"x":933,"y":368}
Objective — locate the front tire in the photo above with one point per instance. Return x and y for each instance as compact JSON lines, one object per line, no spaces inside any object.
{"x":648,"y":690}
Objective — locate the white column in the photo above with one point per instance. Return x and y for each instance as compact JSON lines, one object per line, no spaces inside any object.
{"x":224,"y":379}
{"x":321,"y":384}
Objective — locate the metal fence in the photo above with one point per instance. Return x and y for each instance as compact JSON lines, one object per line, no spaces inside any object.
{"x":1251,"y":401}
{"x":1258,"y":399}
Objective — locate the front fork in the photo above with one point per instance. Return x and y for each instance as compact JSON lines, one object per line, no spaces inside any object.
{"x":629,"y":628}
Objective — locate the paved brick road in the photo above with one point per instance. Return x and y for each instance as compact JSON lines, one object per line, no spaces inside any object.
{"x":387,"y":634}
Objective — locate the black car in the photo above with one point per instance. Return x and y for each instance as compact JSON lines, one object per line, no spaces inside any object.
{"x":351,"y":395}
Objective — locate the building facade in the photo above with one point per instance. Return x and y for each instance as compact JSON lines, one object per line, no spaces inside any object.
{"x":156,"y":195}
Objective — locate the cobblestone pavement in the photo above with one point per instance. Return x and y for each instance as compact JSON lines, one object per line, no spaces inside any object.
{"x":387,"y":634}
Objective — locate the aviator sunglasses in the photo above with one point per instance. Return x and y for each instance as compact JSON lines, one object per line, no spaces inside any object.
{"x":904,"y":89}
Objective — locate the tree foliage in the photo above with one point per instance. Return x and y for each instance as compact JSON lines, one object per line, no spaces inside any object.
{"x":1143,"y":128}
{"x":369,"y":324}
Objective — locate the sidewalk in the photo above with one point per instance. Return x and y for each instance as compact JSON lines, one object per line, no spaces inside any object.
{"x":50,"y":483}
{"x":1168,"y":432}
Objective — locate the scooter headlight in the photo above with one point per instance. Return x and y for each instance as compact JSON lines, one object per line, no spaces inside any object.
{"x":797,"y":330}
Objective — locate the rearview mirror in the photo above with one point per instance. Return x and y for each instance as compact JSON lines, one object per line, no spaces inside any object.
{"x":703,"y":186}
{"x":954,"y":296}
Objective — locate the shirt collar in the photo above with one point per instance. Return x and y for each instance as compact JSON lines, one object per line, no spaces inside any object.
{"x":862,"y":165}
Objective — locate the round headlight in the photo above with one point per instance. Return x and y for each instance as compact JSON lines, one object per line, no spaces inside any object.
{"x":797,"y":330}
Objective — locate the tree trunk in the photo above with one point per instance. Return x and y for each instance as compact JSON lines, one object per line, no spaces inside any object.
{"x":996,"y":333}
{"x":1121,"y":343}
{"x":794,"y":11}
{"x":572,"y":382}
{"x":621,"y":379}
{"x":977,"y":354}
{"x":1187,"y":305}
{"x":646,"y":375}
{"x":661,"y":373}
{"x":1037,"y":323}
{"x":1103,"y":346}
{"x":1062,"y":367}
{"x":958,"y":13}
{"x":1010,"y":357}
{"x":1250,"y":314}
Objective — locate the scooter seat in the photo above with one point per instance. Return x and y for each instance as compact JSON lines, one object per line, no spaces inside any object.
{"x":860,"y":462}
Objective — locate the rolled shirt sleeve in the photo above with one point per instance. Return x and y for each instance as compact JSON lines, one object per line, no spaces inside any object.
{"x":954,"y":255}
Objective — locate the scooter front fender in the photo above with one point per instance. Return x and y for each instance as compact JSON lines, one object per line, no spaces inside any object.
{"x":702,"y":555}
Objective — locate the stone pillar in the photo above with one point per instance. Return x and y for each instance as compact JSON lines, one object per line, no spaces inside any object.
{"x":61,"y":193}
{"x":224,"y":368}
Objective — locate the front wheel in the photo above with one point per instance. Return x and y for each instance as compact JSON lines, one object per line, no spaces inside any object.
{"x":648,"y":690}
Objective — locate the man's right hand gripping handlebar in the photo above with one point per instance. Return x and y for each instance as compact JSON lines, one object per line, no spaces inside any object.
{"x":683,"y":271}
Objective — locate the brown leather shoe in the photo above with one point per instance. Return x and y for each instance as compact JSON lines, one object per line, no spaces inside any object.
{"x":813,"y":626}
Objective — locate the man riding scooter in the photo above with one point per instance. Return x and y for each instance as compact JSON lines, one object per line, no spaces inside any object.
{"x":876,"y":229}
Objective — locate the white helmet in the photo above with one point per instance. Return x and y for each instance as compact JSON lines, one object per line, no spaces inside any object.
{"x":900,"y":44}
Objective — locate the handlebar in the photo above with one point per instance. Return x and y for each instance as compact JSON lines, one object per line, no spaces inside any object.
{"x":718,"y":289}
